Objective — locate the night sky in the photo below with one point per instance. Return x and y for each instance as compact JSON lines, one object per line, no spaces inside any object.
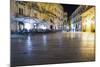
{"x":69,"y":8}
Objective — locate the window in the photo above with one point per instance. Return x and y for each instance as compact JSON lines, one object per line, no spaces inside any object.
{"x":20,"y":11}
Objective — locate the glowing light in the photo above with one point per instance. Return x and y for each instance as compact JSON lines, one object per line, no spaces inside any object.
{"x":34,"y":24}
{"x":88,"y":21}
{"x":72,"y":26}
{"x":28,"y":26}
{"x":43,"y":27}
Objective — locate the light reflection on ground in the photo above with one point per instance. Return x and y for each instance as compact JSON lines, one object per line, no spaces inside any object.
{"x":57,"y":47}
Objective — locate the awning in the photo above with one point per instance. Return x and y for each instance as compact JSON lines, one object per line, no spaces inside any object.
{"x":25,"y":19}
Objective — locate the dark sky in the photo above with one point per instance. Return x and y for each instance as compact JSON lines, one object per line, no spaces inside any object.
{"x":69,"y":8}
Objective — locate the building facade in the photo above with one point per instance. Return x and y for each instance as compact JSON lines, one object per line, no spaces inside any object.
{"x":13,"y":24}
{"x":50,"y":13}
{"x":76,"y":18}
{"x":88,"y":20}
{"x":65,"y":22}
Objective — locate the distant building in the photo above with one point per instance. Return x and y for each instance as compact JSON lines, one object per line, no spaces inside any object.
{"x":65,"y":22}
{"x":69,"y":23}
{"x":76,"y":18}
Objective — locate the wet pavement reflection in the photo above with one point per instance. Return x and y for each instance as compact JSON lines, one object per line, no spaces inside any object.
{"x":60,"y":47}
